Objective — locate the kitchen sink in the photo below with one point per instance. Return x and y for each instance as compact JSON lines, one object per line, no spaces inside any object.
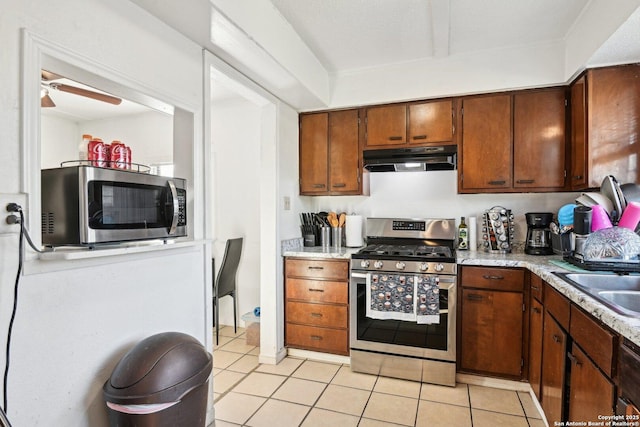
{"x":621,"y":293}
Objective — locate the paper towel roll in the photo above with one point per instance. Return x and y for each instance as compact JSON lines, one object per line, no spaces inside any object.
{"x":353,"y":231}
{"x":473,"y":233}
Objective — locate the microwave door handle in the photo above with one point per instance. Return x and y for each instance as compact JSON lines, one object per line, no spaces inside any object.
{"x":176,"y":207}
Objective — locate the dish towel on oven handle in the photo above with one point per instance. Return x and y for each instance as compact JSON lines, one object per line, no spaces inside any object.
{"x":412,"y":298}
{"x":427,"y":299}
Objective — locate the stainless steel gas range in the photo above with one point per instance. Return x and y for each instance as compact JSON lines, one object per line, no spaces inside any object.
{"x":403,"y":300}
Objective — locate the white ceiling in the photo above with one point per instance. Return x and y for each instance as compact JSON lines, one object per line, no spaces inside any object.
{"x":355,"y":34}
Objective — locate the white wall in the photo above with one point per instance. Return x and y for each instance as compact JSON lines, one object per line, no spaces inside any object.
{"x":150,"y":135}
{"x":59,"y":138}
{"x":434,"y":195}
{"x":75,"y":318}
{"x":235,"y":124}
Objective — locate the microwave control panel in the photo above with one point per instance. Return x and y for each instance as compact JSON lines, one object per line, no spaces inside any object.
{"x":182,"y":207}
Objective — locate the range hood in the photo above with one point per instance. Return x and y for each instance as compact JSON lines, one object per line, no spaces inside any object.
{"x":411,"y":159}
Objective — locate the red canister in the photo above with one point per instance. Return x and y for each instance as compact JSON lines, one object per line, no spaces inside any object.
{"x":97,"y":153}
{"x":118,"y":155}
{"x":127,"y":151}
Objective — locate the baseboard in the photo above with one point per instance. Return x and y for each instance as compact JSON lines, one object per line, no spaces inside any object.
{"x":272,"y":359}
{"x":320,"y":357}
{"x":493,"y":382}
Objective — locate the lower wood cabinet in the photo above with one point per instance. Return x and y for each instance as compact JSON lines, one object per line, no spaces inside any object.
{"x":554,"y":350}
{"x":536,"y":323}
{"x":492,"y":321}
{"x":316,"y":305}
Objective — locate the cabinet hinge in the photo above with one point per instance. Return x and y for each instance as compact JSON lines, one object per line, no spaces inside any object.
{"x":524,"y":308}
{"x":566,"y":102}
{"x":565,"y":173}
{"x":462,"y":111}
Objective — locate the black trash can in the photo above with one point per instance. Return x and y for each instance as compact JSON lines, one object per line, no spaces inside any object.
{"x":161,"y":382}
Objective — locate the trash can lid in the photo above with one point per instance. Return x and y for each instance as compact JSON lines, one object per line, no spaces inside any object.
{"x":159,"y":368}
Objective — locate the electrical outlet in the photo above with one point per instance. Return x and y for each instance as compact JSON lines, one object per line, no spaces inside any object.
{"x":5,"y":199}
{"x":287,"y":203}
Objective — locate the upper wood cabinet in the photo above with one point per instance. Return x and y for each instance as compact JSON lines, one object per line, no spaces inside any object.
{"x":613,"y":123}
{"x":513,"y":142}
{"x":578,"y":171}
{"x":485,"y":161}
{"x":539,"y":139}
{"x":330,"y":154}
{"x":421,"y":123}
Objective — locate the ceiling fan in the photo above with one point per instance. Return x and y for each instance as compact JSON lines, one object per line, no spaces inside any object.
{"x":48,"y":82}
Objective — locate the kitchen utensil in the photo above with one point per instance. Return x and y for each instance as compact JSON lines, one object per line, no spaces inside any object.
{"x":582,"y":219}
{"x":611,"y":189}
{"x":630,"y":216}
{"x":599,"y":219}
{"x":631,"y":192}
{"x":336,"y":237}
{"x":614,"y":243}
{"x":342,"y":219}
{"x":596,"y":198}
{"x":565,"y":215}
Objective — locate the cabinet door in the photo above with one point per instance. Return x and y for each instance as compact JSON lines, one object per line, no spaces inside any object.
{"x":554,"y":350}
{"x":614,"y":123}
{"x":536,"y":322}
{"x":386,"y":125}
{"x":431,"y":122}
{"x":344,"y":153}
{"x":491,"y":332}
{"x":578,"y":173}
{"x":591,"y":393}
{"x":539,"y":139}
{"x":314,"y":147}
{"x":486,"y":144}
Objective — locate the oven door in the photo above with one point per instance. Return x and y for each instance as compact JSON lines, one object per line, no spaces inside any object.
{"x":427,"y":341}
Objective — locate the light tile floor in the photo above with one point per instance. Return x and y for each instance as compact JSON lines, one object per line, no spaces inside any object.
{"x":299,"y":392}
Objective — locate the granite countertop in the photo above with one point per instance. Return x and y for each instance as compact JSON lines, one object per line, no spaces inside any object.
{"x":543,"y":266}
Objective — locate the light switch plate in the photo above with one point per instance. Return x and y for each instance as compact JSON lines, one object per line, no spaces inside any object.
{"x":5,"y":199}
{"x":287,"y":203}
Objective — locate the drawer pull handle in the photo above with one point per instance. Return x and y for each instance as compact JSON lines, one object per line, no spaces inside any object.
{"x":535,"y":288}
{"x":557,"y":339}
{"x":316,"y":337}
{"x":318,"y":185}
{"x":420,"y":137}
{"x":526,"y":181}
{"x":574,"y":359}
{"x":339,"y":185}
{"x":316,"y":314}
{"x":474,"y":297}
{"x":395,"y":138}
{"x":315,"y":290}
{"x":499,"y":182}
{"x":492,"y":277}
{"x":577,"y":177}
{"x":314,"y":267}
{"x":536,"y":310}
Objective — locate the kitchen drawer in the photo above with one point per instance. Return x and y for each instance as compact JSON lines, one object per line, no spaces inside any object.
{"x":537,"y":286}
{"x":317,"y":269}
{"x":333,"y":316}
{"x":557,"y":305}
{"x":499,"y":279}
{"x":324,"y":291}
{"x":317,"y":339}
{"x":597,"y":341}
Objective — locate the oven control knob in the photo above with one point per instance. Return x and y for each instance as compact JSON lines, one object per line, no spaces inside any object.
{"x":378,"y":264}
{"x":400,"y":265}
{"x":364,"y":263}
{"x":439,"y":267}
{"x":424,"y":266}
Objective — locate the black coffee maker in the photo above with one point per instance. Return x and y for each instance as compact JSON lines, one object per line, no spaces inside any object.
{"x":538,"y":233}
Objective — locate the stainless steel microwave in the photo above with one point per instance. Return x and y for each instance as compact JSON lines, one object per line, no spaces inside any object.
{"x":88,"y":206}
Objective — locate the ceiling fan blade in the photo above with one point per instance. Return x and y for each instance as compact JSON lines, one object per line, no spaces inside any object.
{"x":48,"y":75}
{"x":87,"y":93}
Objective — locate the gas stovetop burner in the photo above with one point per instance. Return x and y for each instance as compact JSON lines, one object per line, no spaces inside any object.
{"x":409,"y":251}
